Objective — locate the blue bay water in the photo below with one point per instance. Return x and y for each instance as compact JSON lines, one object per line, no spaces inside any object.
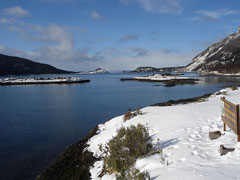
{"x":38,"y":122}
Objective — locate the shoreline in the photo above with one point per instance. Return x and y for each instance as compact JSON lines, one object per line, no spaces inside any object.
{"x":57,"y":170}
{"x":182,"y":134}
{"x":167,"y":83}
{"x":74,"y":162}
{"x":33,"y":81}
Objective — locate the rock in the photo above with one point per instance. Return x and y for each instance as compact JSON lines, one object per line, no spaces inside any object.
{"x":214,"y":135}
{"x":222,"y":57}
{"x":223,"y":150}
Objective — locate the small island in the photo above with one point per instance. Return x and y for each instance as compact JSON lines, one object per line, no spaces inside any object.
{"x":166,"y":78}
{"x":27,"y":81}
{"x":96,"y":71}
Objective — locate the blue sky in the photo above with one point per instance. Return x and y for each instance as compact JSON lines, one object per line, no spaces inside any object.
{"x":82,"y":35}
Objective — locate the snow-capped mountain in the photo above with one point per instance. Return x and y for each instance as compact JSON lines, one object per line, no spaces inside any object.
{"x":221,"y":57}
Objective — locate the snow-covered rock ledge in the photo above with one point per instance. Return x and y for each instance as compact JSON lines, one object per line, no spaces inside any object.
{"x":59,"y":80}
{"x":216,"y":73}
{"x":183,"y":132}
{"x":160,"y":77}
{"x":167,"y":79}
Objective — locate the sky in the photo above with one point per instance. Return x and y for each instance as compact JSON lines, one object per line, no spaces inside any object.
{"x":82,"y":35}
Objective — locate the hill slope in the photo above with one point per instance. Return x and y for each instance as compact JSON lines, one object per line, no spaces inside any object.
{"x":10,"y":65}
{"x":221,"y":57}
{"x":148,"y":69}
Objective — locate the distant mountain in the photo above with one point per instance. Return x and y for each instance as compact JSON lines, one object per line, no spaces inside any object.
{"x":96,"y":71}
{"x":221,"y":57}
{"x":10,"y":65}
{"x":152,"y":69}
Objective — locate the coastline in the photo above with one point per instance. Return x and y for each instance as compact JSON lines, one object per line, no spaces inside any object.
{"x":73,"y":163}
{"x":167,"y":83}
{"x":33,"y":81}
{"x":181,"y":131}
{"x":78,"y":153}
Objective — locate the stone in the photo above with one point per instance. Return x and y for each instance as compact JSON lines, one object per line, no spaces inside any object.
{"x":214,"y":135}
{"x":223,"y":150}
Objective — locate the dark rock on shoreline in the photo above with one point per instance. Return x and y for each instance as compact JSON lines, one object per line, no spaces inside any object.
{"x":172,"y":83}
{"x":168,"y":83}
{"x":183,"y":101}
{"x":72,"y":164}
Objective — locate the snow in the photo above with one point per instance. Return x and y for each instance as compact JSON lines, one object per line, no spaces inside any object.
{"x":199,"y":60}
{"x":216,"y":73}
{"x":34,"y":80}
{"x":96,"y":71}
{"x":211,"y":51}
{"x":97,"y":169}
{"x":159,"y":77}
{"x":183,"y":134}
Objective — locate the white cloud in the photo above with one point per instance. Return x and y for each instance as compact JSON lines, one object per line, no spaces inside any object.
{"x":58,"y":42}
{"x":16,"y":11}
{"x":158,"y":6}
{"x":95,"y":15}
{"x":6,"y":21}
{"x":207,"y":15}
{"x":128,"y":37}
{"x":156,"y":58}
{"x":2,"y":48}
{"x":138,"y":51}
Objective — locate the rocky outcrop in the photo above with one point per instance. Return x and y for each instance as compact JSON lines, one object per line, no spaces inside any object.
{"x":149,"y":69}
{"x":221,"y":57}
{"x":96,"y":71}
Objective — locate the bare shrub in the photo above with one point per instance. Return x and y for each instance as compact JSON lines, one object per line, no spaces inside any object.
{"x":129,"y":115}
{"x":234,"y":88}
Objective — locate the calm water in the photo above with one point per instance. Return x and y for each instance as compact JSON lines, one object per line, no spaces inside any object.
{"x":38,"y":122}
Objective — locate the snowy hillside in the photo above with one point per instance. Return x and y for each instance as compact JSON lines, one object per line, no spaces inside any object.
{"x":222,"y":57}
{"x":183,"y":132}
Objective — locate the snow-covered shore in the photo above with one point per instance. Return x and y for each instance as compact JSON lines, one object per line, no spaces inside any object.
{"x":183,"y":132}
{"x":17,"y":81}
{"x":216,"y":73}
{"x":160,"y":77}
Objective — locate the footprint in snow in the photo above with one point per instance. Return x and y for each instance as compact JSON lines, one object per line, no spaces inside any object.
{"x":194,"y":153}
{"x":173,"y":147}
{"x":168,"y":155}
{"x":182,"y":159}
{"x":193,"y":136}
{"x":192,"y":146}
{"x":190,"y":139}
